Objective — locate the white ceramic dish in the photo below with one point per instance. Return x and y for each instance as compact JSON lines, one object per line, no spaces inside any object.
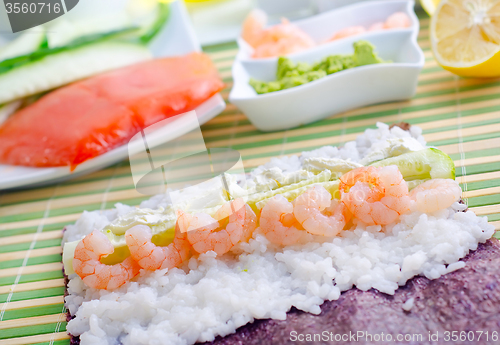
{"x":176,"y":38}
{"x":327,"y":5}
{"x":337,"y":92}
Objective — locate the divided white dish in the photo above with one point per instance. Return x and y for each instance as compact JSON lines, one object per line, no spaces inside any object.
{"x":321,"y":27}
{"x":176,"y":38}
{"x":340,"y":91}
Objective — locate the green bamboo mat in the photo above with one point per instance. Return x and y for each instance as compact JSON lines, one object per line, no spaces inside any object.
{"x":460,"y":116}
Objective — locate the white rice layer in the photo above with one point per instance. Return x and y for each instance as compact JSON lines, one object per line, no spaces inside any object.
{"x":213,"y":296}
{"x":219,"y":295}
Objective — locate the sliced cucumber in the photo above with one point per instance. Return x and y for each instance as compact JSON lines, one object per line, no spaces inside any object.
{"x":19,"y":61}
{"x":146,"y":19}
{"x":138,"y":22}
{"x":68,"y":255}
{"x":420,"y":165}
{"x":337,"y":166}
{"x":65,"y":32}
{"x":67,"y":66}
{"x":163,"y":12}
{"x":28,"y":42}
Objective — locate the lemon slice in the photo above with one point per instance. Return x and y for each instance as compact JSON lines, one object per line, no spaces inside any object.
{"x":465,"y":37}
{"x":429,"y":6}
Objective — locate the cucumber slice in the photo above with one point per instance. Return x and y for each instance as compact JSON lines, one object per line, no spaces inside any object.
{"x":19,"y":61}
{"x":28,"y":42}
{"x":68,"y":255}
{"x":67,"y":66}
{"x":65,"y":32}
{"x":161,"y":18}
{"x":65,"y":35}
{"x":147,"y":22}
{"x":421,"y":165}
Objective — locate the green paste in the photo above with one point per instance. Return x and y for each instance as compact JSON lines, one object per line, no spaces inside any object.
{"x":290,"y":74}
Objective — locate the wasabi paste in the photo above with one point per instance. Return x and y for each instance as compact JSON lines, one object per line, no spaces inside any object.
{"x":290,"y":74}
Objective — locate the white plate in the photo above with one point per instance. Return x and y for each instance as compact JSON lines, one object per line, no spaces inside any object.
{"x":176,"y":38}
{"x":340,"y":91}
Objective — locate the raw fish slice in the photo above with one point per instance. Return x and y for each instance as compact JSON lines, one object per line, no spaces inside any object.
{"x":88,"y":118}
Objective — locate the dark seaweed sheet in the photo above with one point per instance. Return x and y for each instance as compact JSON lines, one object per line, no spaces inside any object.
{"x":465,"y":300}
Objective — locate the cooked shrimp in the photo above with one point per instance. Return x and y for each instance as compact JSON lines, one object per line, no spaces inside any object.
{"x":250,"y":224}
{"x":95,"y":274}
{"x":397,"y":20}
{"x":206,"y":233}
{"x":253,"y":27}
{"x":222,"y":216}
{"x":278,"y":223}
{"x":436,"y":194}
{"x":376,"y":26}
{"x":375,"y":195}
{"x":282,"y":47}
{"x":318,"y":213}
{"x":280,"y":39}
{"x":151,"y":257}
{"x":349,"y":31}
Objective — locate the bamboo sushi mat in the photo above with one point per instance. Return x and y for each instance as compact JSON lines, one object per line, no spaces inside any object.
{"x":460,"y":116}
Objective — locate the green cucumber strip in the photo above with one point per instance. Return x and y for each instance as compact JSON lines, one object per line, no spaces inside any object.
{"x":421,"y":165}
{"x":27,"y":43}
{"x":68,"y":255}
{"x":64,"y":31}
{"x":161,"y":19}
{"x":56,"y":70}
{"x":45,"y":43}
{"x":19,"y":61}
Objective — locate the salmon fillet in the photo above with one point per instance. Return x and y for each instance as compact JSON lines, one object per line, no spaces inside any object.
{"x":90,"y":117}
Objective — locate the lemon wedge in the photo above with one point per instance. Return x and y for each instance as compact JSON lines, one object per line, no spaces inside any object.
{"x":465,"y":37}
{"x":429,"y":6}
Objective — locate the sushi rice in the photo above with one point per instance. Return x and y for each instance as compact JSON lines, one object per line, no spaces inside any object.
{"x":212,"y":296}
